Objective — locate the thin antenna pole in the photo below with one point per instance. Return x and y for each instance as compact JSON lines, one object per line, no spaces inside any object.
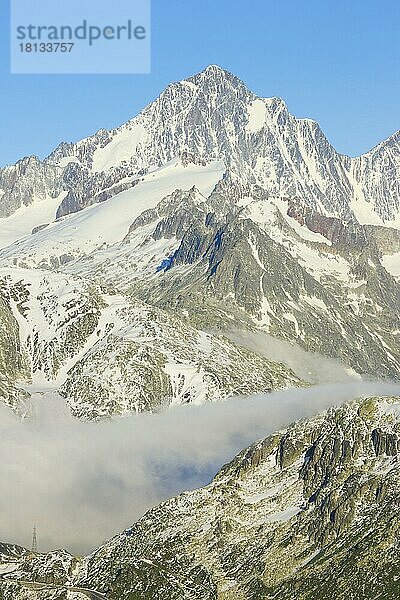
{"x":34,"y":540}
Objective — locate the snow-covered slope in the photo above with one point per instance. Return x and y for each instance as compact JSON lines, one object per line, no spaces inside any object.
{"x":26,"y":218}
{"x":102,"y":224}
{"x":232,"y":258}
{"x":108,"y":354}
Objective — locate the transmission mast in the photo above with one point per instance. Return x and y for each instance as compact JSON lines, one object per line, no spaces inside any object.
{"x":34,"y":540}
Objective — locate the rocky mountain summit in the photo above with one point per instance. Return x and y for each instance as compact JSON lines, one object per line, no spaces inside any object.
{"x":214,"y":115}
{"x":309,"y":512}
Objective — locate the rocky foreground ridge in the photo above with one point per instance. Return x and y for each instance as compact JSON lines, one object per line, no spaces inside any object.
{"x":310,"y":512}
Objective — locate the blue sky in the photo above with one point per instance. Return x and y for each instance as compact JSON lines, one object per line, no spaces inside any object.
{"x":337,"y":61}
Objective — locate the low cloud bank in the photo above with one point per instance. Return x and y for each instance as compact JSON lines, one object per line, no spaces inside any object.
{"x":310,"y":366}
{"x":80,"y":483}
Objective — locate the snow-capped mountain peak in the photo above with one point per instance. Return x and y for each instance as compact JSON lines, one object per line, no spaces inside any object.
{"x":214,"y":116}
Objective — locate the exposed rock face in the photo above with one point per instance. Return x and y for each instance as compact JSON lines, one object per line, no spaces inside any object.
{"x":381,"y":162}
{"x":28,"y":179}
{"x":292,"y":516}
{"x":10,"y":552}
{"x":13,"y":360}
{"x":311,"y":511}
{"x":253,"y":265}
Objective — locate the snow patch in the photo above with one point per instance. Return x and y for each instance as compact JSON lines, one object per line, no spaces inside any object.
{"x":66,"y":160}
{"x":256,"y":112}
{"x":364,"y":211}
{"x":121,"y":148}
{"x":391,"y":262}
{"x":188,"y":84}
{"x":292,"y":319}
{"x":284,"y":515}
{"x":26,"y":218}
